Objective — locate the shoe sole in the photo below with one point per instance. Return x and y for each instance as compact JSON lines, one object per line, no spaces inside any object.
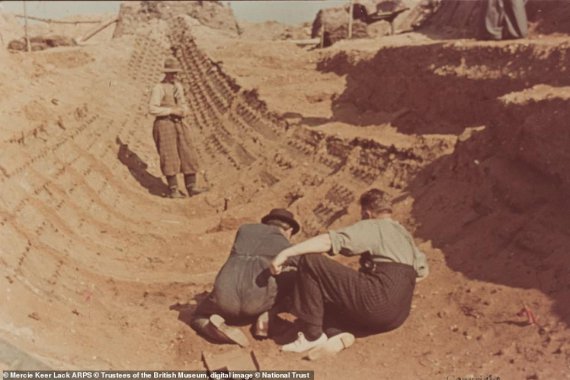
{"x":332,"y":346}
{"x":232,"y":333}
{"x":295,"y":348}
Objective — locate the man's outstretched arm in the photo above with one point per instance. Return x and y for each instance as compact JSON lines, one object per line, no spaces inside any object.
{"x":317,"y":244}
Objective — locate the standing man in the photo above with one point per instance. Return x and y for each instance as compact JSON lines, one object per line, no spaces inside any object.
{"x":170,"y":135}
{"x":378,"y":297}
{"x":244,"y":287}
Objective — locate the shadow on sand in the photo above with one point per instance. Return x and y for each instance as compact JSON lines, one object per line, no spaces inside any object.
{"x":138,"y":169}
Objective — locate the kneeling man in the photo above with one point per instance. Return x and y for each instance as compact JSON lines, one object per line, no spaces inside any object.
{"x":244,"y":287}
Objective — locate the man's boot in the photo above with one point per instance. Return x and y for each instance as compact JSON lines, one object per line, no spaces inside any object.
{"x":173,"y":191}
{"x":233,"y":334}
{"x":203,"y":326}
{"x":190,"y":182}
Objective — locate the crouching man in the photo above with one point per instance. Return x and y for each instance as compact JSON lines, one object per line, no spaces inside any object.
{"x":244,"y":287}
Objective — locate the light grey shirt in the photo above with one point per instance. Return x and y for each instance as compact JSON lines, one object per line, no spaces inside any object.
{"x":385,"y":239}
{"x":159,"y":91}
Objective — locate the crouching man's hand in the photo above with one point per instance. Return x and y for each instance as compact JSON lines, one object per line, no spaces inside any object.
{"x":277,"y":264}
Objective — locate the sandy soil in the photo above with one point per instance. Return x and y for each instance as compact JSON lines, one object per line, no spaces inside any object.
{"x":100,"y":271}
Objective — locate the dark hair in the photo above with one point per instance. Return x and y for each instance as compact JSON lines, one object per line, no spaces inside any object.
{"x":376,"y":200}
{"x":278,"y":223}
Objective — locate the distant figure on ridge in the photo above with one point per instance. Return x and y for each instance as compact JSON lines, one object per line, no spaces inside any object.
{"x":504,"y":19}
{"x":171,"y":136}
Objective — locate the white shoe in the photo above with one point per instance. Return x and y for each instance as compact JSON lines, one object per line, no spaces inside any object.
{"x":332,"y":346}
{"x":302,"y":344}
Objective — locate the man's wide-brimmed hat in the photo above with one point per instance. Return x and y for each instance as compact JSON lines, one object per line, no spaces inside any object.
{"x":284,"y":216}
{"x":171,"y":65}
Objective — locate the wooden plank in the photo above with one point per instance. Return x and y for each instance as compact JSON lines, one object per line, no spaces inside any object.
{"x":51,"y":21}
{"x":97,"y":30}
{"x":234,"y":360}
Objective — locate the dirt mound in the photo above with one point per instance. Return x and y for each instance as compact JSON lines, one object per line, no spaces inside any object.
{"x":333,"y":22}
{"x":273,"y":30}
{"x":214,"y":14}
{"x":41,"y":43}
{"x":444,"y":94}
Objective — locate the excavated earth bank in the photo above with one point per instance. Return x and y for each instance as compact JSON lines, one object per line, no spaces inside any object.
{"x":99,"y":271}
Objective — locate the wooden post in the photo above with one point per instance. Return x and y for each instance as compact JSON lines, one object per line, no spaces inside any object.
{"x":28,"y":46}
{"x":97,"y":30}
{"x":350,"y":11}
